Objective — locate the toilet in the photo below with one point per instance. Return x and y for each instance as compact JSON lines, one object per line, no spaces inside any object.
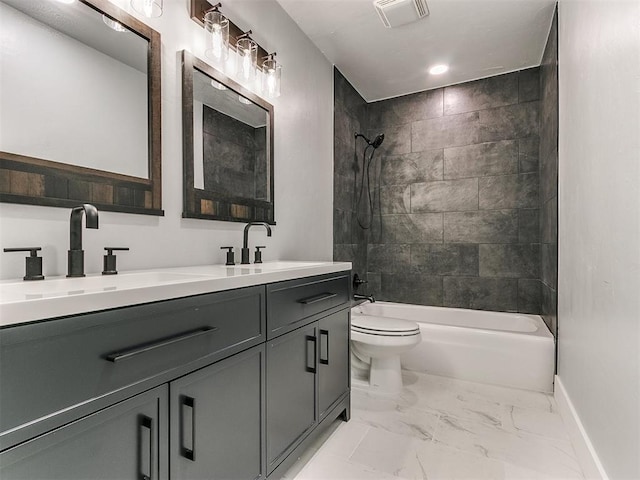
{"x":376,"y":346}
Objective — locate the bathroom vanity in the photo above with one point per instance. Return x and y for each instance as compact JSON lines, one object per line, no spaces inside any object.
{"x":216,"y":372}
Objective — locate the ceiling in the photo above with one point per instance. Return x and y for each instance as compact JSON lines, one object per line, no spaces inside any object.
{"x":476,"y":38}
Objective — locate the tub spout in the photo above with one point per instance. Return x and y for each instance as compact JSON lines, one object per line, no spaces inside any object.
{"x":357,"y":296}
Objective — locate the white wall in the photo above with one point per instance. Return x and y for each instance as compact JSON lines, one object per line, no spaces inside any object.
{"x":303,"y":164}
{"x":599,"y":225}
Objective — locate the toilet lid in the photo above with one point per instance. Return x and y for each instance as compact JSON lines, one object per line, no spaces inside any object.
{"x":383,"y":325}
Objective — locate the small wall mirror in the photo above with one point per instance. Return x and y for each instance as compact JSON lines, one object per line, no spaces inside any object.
{"x":80,"y":106}
{"x":227,"y":147}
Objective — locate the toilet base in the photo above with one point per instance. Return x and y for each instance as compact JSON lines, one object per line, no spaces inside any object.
{"x":385,"y":374}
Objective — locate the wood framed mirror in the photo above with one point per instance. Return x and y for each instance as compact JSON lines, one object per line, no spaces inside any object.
{"x":80,"y":108}
{"x":227,"y":147}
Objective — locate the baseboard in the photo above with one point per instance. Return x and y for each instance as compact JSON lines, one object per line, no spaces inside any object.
{"x":587,"y":456}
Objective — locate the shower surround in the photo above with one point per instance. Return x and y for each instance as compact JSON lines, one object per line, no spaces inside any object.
{"x":457,"y":218}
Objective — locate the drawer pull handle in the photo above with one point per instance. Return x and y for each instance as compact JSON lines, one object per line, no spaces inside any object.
{"x":190,"y":402}
{"x":314,"y":340}
{"x":147,"y":424}
{"x":324,"y":333}
{"x":131,"y":352}
{"x":317,"y":298}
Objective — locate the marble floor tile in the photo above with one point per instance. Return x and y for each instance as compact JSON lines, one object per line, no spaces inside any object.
{"x":442,"y":428}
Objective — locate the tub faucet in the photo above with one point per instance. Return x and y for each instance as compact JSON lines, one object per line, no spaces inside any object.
{"x":75,"y":255}
{"x":357,"y":296}
{"x":245,"y":243}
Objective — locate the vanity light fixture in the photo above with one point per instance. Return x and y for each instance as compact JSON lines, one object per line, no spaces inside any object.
{"x":271,"y":73}
{"x":216,"y":27}
{"x":438,"y":69}
{"x":247,"y":51}
{"x":148,"y":8}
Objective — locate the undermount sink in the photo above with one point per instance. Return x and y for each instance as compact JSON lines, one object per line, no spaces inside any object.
{"x":56,"y":287}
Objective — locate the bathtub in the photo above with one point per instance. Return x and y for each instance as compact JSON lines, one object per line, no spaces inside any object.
{"x":509,"y":349}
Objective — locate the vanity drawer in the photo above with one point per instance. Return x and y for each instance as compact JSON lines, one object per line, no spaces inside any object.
{"x":291,"y":303}
{"x":49,"y":368}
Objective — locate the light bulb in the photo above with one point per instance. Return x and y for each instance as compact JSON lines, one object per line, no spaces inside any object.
{"x":246,"y":64}
{"x":216,"y":41}
{"x":147,"y":8}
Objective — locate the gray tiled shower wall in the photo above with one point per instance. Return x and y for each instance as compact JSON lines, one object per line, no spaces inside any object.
{"x":457,"y":219}
{"x":549,"y":179}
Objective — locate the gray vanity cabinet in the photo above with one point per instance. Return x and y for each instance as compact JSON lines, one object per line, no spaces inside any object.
{"x":217,"y":420}
{"x":120,"y":442}
{"x":291,"y":391}
{"x":333,"y":360}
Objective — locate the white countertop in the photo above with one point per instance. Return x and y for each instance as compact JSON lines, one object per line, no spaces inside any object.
{"x":22,"y":301}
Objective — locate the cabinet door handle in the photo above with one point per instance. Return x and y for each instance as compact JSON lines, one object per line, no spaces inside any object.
{"x":314,"y":340}
{"x":146,"y":423}
{"x":163,"y":342}
{"x":317,"y":298}
{"x":188,"y":402}
{"x":325,"y":333}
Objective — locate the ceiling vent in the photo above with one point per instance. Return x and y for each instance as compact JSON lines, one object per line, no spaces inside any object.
{"x":394,"y":13}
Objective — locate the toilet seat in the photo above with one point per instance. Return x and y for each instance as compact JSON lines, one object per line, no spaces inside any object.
{"x":383,"y":326}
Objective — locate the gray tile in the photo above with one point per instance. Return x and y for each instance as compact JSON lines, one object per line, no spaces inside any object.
{"x":346,"y":95}
{"x":496,"y":226}
{"x":343,"y":160}
{"x":508,"y":191}
{"x":549,"y":264}
{"x":373,"y":285}
{"x":341,"y":226}
{"x":413,"y":228}
{"x":412,"y":167}
{"x":388,"y":258}
{"x":504,"y":123}
{"x":452,"y":259}
{"x":405,"y":109}
{"x":345,"y":124}
{"x":529,"y":296}
{"x":395,"y":199}
{"x":343,"y":192}
{"x":497,"y":294}
{"x":356,"y":254}
{"x":447,"y":131}
{"x":412,"y":288}
{"x":397,"y":140}
{"x":549,"y":307}
{"x":481,"y":94}
{"x":493,"y":158}
{"x":529,"y":226}
{"x":513,"y":261}
{"x":529,"y":84}
{"x":549,"y":176}
{"x":549,"y":221}
{"x":447,"y":195}
{"x":528,"y":156}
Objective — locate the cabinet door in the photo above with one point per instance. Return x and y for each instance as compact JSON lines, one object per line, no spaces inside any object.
{"x":291,"y":391}
{"x":217,"y":420}
{"x":333,"y":374}
{"x":124,"y":441}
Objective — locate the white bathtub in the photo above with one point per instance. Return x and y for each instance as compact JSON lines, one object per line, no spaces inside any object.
{"x":509,"y":349}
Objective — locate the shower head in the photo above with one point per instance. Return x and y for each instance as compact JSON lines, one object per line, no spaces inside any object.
{"x":375,"y":143}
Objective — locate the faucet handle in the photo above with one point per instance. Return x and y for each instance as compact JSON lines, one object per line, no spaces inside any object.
{"x":230,"y":256}
{"x":258,"y":255}
{"x":109,"y":265}
{"x":33,"y":262}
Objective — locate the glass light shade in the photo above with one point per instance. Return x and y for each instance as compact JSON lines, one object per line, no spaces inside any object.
{"x":248,"y":58}
{"x":114,"y":25}
{"x":271,"y":73}
{"x":148,"y":8}
{"x":216,"y":27}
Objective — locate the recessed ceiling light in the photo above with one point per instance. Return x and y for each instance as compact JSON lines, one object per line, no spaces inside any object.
{"x":438,"y":69}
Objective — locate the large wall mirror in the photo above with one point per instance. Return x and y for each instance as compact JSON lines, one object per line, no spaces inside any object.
{"x":79,"y":106}
{"x":227,"y":147}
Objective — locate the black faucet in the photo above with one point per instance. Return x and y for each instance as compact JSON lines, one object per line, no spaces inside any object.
{"x":245,"y":243}
{"x":357,"y":296}
{"x":75,"y":255}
